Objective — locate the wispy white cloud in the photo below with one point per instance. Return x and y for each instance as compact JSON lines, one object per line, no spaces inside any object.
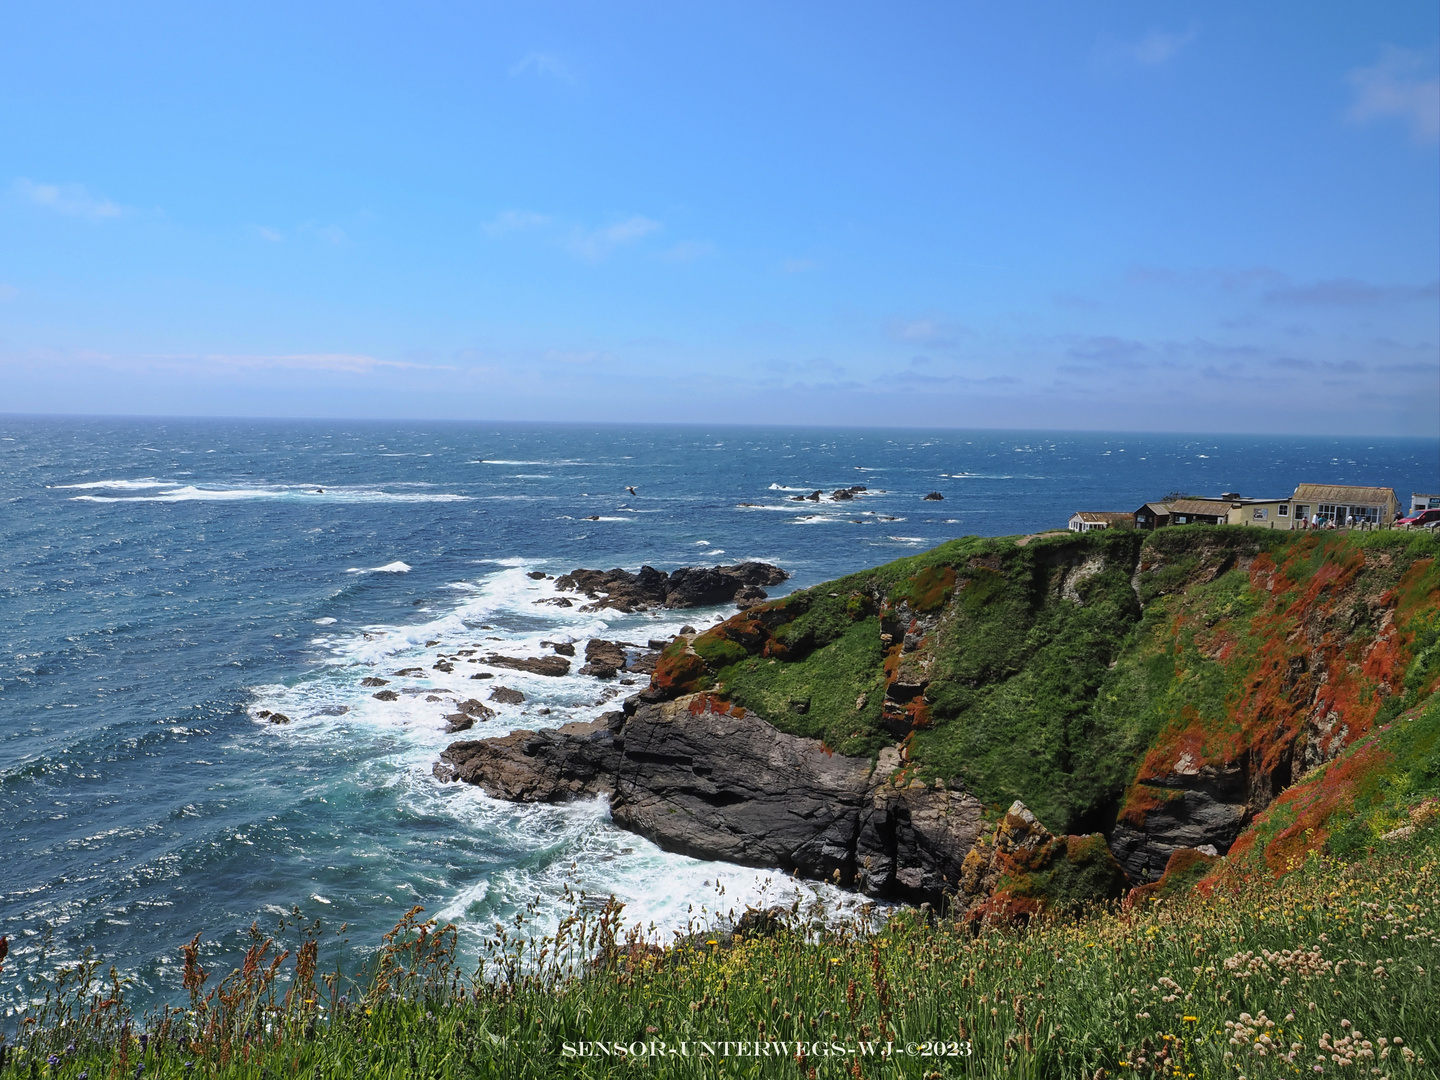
{"x":815,"y":366}
{"x":274,"y":236}
{"x":348,"y":363}
{"x":8,"y":292}
{"x":542,"y":65}
{"x":513,"y":221}
{"x":72,"y":200}
{"x":331,"y":234}
{"x":592,"y":245}
{"x":1348,"y":292}
{"x":1397,"y":86}
{"x":798,"y":266}
{"x":934,"y":332}
{"x":687,"y":251}
{"x":586,"y":243}
{"x":1153,"y":50}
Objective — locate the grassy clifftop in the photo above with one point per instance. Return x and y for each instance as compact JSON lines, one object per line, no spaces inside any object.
{"x":1100,"y":675}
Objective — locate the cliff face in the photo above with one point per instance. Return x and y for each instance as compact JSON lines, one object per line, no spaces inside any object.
{"x":1160,"y":689}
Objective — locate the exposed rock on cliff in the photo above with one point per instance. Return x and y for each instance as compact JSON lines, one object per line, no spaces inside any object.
{"x":1022,"y":869}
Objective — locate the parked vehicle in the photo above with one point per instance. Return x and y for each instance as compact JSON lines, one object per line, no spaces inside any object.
{"x":1425,"y":519}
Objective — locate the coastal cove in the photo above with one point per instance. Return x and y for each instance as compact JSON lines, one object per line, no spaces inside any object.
{"x":172,"y":585}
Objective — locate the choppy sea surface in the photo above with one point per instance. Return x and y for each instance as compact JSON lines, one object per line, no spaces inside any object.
{"x":163,"y":582}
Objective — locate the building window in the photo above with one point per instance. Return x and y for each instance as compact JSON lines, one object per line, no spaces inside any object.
{"x":1366,"y":513}
{"x":1283,"y":510}
{"x":1302,"y":510}
{"x":1327,"y":512}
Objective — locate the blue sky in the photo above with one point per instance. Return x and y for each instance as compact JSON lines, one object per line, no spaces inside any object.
{"x":1217,"y":217}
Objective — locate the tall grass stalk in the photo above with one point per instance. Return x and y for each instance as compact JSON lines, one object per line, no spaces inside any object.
{"x":1328,"y":971}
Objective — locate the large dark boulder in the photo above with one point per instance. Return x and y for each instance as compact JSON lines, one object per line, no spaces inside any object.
{"x":1197,"y":808}
{"x":566,"y":763}
{"x":603,"y":658}
{"x":699,"y":777}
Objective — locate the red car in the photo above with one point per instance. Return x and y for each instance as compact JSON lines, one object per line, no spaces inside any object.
{"x":1424,"y":519}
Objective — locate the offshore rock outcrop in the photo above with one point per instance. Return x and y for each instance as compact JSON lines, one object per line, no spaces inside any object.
{"x":687,"y":587}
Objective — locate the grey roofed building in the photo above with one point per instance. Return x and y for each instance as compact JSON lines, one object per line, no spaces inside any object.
{"x":1152,"y":515}
{"x":1199,"y":511}
{"x":1343,"y":504}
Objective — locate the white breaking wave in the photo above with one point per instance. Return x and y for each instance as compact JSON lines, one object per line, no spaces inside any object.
{"x":193,"y":493}
{"x":396,"y":567}
{"x":121,"y":485}
{"x":537,"y":849}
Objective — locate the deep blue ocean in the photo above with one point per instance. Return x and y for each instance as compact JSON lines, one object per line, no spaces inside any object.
{"x":165,"y":581}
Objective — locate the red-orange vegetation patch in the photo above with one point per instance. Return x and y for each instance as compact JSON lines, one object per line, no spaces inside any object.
{"x":774,"y":649}
{"x":713,"y":703}
{"x":1315,"y":801}
{"x":1333,"y":576}
{"x":1385,"y":660}
{"x":1193,"y":736}
{"x":1262,"y":568}
{"x":931,"y":588}
{"x":1004,"y":908}
{"x":679,"y":673}
{"x":1141,"y":798}
{"x":1186,"y":868}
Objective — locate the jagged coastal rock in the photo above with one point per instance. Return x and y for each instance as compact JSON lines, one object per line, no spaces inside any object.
{"x":703,"y":778}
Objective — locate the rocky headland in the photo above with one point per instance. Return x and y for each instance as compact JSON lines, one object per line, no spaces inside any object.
{"x":1159,"y":700}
